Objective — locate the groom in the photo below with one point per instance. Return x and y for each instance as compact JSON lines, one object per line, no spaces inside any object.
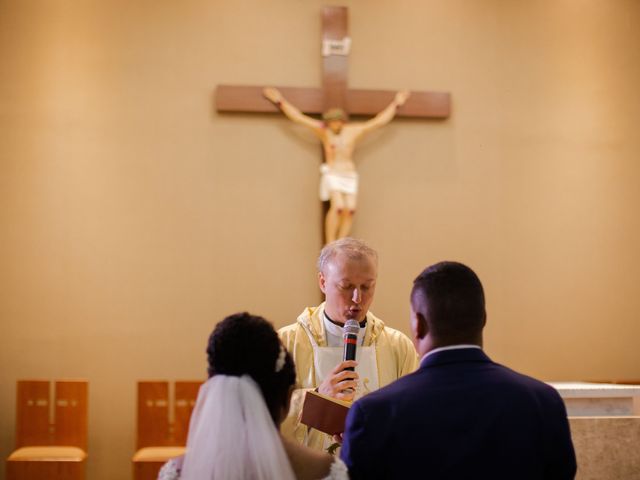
{"x":460,"y":415}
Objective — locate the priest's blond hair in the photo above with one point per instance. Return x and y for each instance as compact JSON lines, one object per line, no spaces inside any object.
{"x":353,"y":248}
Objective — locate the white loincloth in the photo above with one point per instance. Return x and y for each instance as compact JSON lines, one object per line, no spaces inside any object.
{"x":333,"y":181}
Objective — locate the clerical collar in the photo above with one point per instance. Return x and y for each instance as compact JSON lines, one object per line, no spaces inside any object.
{"x":334,"y":333}
{"x":341,"y":325}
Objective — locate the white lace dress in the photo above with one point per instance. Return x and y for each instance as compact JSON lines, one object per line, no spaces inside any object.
{"x":338,"y":471}
{"x":171,"y":470}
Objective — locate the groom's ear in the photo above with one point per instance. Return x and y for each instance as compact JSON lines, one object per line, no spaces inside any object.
{"x":419,"y":326}
{"x":422,"y":327}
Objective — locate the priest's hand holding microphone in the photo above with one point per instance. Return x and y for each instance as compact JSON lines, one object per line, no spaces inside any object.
{"x":343,"y":380}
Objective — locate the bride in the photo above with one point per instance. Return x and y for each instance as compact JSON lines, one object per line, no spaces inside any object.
{"x":233,"y":433}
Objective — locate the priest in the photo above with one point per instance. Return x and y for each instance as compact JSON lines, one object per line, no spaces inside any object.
{"x":347,"y":273}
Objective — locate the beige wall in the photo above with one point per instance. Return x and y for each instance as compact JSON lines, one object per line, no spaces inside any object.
{"x":133,"y":217}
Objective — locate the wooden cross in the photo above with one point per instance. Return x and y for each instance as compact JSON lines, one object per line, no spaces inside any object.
{"x":335,"y":92}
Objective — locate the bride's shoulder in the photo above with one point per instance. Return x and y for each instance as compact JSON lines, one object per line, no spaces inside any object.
{"x":306,"y":462}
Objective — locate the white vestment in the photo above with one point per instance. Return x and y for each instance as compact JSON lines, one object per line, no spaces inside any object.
{"x":393,"y":356}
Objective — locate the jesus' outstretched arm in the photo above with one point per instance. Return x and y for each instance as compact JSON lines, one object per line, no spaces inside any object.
{"x":292,"y":112}
{"x":386,"y":115}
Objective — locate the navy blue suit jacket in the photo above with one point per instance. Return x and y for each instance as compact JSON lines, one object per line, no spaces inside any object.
{"x":460,"y":416}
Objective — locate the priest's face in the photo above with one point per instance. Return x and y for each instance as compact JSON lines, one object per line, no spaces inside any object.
{"x":348,"y":286}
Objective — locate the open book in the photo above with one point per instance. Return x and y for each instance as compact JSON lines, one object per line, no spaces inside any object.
{"x":324,"y":413}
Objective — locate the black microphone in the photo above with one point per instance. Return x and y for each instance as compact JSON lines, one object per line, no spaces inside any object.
{"x":351,"y":329}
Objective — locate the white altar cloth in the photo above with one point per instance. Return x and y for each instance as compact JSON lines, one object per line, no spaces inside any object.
{"x":584,"y":399}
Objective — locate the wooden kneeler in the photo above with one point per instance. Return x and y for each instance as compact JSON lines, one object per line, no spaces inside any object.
{"x":50,"y":449}
{"x":159,"y":438}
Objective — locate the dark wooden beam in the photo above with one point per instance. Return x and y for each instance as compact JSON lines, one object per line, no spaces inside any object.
{"x":234,"y":98}
{"x":419,"y":104}
{"x":335,"y":26}
{"x":334,"y":91}
{"x":237,"y":98}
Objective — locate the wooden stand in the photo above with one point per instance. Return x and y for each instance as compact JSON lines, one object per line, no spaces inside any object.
{"x":158,"y":437}
{"x":49,"y":470}
{"x":48,"y":450}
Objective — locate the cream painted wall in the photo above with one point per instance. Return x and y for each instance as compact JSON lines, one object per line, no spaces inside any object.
{"x":134,"y":217}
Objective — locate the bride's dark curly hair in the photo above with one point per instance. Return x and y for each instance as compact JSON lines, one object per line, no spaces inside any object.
{"x":248,"y":344}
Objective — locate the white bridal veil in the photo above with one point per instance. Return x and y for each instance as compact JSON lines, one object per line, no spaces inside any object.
{"x":232,"y":436}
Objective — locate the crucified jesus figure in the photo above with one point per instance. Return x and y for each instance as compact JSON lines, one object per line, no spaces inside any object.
{"x":339,"y":179}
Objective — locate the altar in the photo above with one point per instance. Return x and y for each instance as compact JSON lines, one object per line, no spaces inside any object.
{"x":584,"y":399}
{"x":605,"y":428}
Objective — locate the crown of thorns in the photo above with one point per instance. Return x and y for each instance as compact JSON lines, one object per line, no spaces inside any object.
{"x":334,"y":114}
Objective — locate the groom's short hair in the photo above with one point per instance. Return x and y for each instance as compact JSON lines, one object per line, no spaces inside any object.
{"x":451,"y":298}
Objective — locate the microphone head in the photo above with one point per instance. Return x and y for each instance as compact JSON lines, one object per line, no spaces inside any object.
{"x":351,"y":327}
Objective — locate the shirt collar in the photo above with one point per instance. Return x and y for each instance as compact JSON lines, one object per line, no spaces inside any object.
{"x":450,"y":347}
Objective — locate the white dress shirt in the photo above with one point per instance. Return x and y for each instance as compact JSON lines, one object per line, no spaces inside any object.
{"x":450,"y":347}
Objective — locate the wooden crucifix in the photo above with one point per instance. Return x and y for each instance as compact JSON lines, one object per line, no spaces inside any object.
{"x":334,"y":100}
